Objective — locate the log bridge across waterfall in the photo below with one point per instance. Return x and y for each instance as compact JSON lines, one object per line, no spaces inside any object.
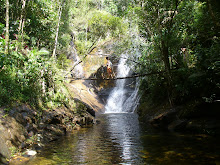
{"x":116,"y":78}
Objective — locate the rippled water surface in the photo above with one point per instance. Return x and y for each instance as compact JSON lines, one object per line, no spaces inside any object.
{"x":119,"y":139}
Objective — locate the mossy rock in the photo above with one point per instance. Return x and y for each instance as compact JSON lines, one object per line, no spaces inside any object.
{"x":83,"y":107}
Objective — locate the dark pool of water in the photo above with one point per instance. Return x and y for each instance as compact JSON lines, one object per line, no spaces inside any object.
{"x":120,"y":139}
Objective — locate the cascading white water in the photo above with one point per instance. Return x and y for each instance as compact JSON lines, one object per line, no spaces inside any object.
{"x":132,"y":102}
{"x":118,"y":101}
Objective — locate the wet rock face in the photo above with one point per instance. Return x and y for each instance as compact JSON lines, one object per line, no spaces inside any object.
{"x":101,"y":74}
{"x":104,"y":94}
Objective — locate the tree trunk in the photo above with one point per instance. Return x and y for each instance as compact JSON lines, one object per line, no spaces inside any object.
{"x":7,"y":27}
{"x":23,"y":21}
{"x":21,"y":25}
{"x":57,"y":32}
{"x":165,"y":54}
{"x":21,"y":28}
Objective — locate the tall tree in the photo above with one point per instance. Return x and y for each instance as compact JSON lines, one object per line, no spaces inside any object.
{"x":21,"y":24}
{"x":58,"y":27}
{"x":7,"y":27}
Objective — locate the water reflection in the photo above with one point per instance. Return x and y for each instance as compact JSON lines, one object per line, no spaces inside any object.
{"x":120,"y":140}
{"x":177,"y":149}
{"x":125,"y":133}
{"x":115,"y":141}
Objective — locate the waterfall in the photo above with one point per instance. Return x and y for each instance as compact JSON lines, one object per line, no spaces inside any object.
{"x":122,"y":99}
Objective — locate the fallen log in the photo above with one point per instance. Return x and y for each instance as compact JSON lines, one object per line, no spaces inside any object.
{"x":116,"y":78}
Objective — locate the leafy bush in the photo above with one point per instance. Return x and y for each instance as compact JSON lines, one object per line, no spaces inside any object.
{"x":30,"y":76}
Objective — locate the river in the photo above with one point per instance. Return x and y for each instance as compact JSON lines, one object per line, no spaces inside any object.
{"x":121,"y":139}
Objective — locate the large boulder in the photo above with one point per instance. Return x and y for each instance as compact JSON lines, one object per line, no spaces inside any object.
{"x":163,"y":120}
{"x":4,"y":150}
{"x":12,"y":132}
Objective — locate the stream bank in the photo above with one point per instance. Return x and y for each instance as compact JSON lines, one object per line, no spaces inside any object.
{"x":25,"y":130}
{"x":23,"y":127}
{"x":195,"y":117}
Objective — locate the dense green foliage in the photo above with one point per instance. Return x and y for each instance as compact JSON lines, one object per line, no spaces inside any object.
{"x":179,"y":37}
{"x":92,"y":25}
{"x":29,"y":73}
{"x":31,"y":77}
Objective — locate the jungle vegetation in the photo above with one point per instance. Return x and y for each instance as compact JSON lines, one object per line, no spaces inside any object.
{"x":180,"y":37}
